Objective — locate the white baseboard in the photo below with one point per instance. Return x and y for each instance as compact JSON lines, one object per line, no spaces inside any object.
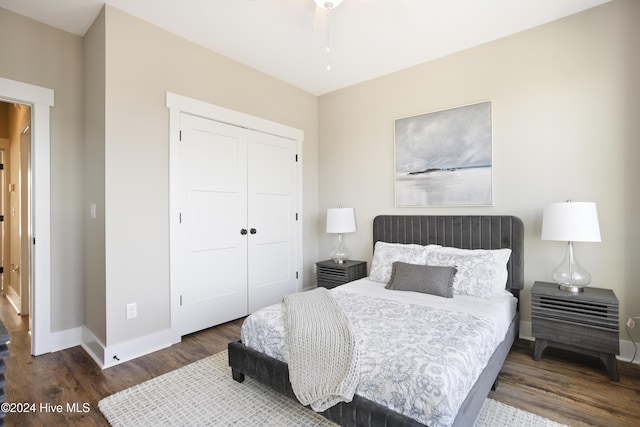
{"x":525,"y":331}
{"x":627,"y":351}
{"x":108,"y":356}
{"x":14,"y":299}
{"x":627,"y":348}
{"x":122,"y":352}
{"x":93,"y":346}
{"x":65,"y":339}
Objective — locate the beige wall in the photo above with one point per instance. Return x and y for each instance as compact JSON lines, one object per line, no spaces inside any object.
{"x":142,"y":63}
{"x":41,"y":55}
{"x":565,"y":125}
{"x":95,"y":300}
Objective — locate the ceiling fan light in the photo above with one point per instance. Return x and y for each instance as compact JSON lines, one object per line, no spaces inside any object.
{"x":328,"y":4}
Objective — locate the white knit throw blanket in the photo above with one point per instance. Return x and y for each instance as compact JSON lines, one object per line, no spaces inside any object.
{"x":323,"y":357}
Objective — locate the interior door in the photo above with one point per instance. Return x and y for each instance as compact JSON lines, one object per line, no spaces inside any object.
{"x":213,"y":273}
{"x":272,"y":198}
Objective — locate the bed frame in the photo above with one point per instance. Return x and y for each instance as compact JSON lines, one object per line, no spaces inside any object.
{"x":466,"y":232}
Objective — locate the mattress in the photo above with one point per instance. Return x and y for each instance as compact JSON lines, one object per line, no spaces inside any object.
{"x":419,"y":354}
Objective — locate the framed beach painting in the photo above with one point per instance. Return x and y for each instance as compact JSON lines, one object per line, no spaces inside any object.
{"x":444,"y":158}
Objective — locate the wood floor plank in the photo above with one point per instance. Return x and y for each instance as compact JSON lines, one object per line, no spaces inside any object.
{"x":563,"y":386}
{"x":569,"y":388}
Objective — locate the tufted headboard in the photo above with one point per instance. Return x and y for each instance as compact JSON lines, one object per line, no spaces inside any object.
{"x":460,"y":231}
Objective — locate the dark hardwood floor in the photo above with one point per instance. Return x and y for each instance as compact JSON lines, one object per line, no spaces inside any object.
{"x":569,"y":388}
{"x":563,"y":386}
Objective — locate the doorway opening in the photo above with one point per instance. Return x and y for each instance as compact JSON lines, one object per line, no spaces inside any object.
{"x":40,"y":100}
{"x":15,"y":215}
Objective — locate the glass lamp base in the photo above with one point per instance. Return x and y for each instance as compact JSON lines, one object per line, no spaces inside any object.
{"x":339,"y":254}
{"x":569,"y":275}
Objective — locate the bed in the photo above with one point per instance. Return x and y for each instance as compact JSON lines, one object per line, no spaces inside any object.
{"x":464,"y":232}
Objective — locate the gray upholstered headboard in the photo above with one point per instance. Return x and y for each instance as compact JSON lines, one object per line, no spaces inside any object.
{"x":460,"y":231}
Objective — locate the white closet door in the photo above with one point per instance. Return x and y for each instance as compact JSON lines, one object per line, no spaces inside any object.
{"x":214,"y":254}
{"x":272,"y":195}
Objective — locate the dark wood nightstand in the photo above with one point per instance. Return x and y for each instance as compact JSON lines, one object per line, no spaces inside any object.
{"x":331,"y":274}
{"x":585,"y":322}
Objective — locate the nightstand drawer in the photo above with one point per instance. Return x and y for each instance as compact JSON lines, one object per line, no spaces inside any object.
{"x":331,"y":274}
{"x":576,"y":335}
{"x":564,"y":308}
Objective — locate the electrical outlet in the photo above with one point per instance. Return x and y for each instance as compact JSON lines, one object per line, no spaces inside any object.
{"x":631,"y":323}
{"x":132,"y":311}
{"x":315,"y":269}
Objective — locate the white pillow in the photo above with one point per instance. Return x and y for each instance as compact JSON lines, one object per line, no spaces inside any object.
{"x":481,"y":272}
{"x":385,"y":254}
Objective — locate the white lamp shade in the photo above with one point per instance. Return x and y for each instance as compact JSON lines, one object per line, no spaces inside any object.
{"x":571,"y":222}
{"x":341,"y":220}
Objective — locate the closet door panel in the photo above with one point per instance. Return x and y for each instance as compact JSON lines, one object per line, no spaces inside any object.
{"x":214,"y":262}
{"x":272,"y":201}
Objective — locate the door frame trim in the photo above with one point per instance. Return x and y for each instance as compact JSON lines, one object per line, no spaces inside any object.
{"x":41,"y":100}
{"x":178,"y":104}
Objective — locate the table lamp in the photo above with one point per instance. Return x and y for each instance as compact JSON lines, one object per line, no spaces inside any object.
{"x":571,"y":222}
{"x":340,"y":221}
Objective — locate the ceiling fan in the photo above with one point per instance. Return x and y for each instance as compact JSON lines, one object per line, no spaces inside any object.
{"x":327,"y":5}
{"x":323,"y":12}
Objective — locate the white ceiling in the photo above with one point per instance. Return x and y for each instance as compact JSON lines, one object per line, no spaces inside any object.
{"x":286,"y":38}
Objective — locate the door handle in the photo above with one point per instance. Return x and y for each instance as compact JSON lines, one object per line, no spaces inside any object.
{"x":253,"y":231}
{"x":243,"y":231}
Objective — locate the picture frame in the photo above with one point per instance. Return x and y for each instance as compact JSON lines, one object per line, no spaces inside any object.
{"x":445,"y":157}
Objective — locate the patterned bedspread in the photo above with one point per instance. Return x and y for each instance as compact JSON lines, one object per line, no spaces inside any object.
{"x":417,"y":360}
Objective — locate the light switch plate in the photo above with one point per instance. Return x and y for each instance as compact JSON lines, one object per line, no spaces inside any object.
{"x":132,"y":311}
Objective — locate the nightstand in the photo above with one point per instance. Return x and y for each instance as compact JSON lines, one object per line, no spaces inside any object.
{"x":585,"y":322}
{"x":331,"y":274}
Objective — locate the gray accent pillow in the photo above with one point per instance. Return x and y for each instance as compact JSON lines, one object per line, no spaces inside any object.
{"x":428,"y":279}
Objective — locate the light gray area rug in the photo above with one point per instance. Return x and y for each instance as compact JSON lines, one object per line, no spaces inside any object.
{"x":204,"y":394}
